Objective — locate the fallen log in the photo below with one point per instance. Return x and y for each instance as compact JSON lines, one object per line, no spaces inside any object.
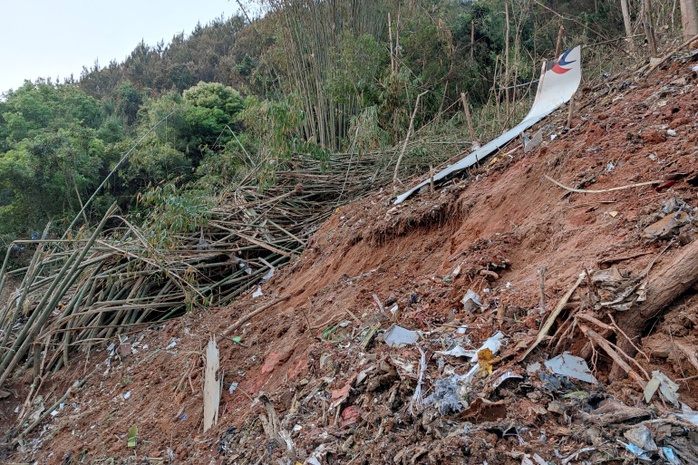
{"x":664,"y":287}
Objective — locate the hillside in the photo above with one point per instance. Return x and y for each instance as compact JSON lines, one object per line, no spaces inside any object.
{"x":311,"y":378}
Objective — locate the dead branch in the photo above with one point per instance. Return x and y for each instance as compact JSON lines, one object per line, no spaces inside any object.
{"x":600,"y":191}
{"x":407,"y":137}
{"x":553,"y":316}
{"x":606,"y":346}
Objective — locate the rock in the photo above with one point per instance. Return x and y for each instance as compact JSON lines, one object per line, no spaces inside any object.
{"x":652,"y":136}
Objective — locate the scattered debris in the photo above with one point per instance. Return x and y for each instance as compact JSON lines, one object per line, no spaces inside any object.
{"x":667,"y":227}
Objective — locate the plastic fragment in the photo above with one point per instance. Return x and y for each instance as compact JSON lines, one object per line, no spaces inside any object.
{"x":269,"y":274}
{"x":258,"y":292}
{"x":397,"y":336}
{"x":669,"y":455}
{"x":534,"y":459}
{"x":490,"y":346}
{"x":571,"y":366}
{"x":127,"y":395}
{"x":533,"y":368}
{"x":637,"y":451}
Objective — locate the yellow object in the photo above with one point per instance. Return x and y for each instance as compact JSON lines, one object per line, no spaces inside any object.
{"x":486,"y":359}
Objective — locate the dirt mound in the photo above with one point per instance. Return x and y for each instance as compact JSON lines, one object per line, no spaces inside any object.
{"x":337,"y":389}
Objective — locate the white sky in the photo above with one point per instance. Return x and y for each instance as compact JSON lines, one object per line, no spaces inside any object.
{"x":42,"y":38}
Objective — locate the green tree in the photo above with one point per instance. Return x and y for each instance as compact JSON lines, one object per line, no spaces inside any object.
{"x":52,"y":154}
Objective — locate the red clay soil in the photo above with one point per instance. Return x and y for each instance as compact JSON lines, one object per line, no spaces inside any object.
{"x":334,"y":394}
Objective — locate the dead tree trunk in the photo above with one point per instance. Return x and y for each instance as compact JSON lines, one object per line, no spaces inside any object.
{"x":689,"y":18}
{"x":664,"y":287}
{"x":627,"y":23}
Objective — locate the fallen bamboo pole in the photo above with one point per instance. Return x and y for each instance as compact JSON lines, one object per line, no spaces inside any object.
{"x":249,"y":316}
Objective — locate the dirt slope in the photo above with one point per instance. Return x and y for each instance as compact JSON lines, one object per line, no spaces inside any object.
{"x":334,"y":394}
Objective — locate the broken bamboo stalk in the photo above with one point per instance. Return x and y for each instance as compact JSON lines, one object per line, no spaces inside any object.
{"x":468,"y":119}
{"x":407,"y":137}
{"x":249,"y":316}
{"x":553,"y":316}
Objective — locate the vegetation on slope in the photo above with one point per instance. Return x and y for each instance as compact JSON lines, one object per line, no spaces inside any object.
{"x":238,"y":97}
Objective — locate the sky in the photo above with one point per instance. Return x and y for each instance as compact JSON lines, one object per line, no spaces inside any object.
{"x":54,"y":39}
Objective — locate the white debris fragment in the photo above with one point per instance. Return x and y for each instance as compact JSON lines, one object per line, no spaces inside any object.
{"x":127,"y":395}
{"x":458,"y":351}
{"x":494,"y":343}
{"x":258,"y":292}
{"x":533,"y":368}
{"x":471,"y":301}
{"x":641,"y":436}
{"x":571,"y":366}
{"x":505,"y":376}
{"x":668,"y":388}
{"x":397,"y":336}
{"x":689,"y":414}
{"x":269,"y":274}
